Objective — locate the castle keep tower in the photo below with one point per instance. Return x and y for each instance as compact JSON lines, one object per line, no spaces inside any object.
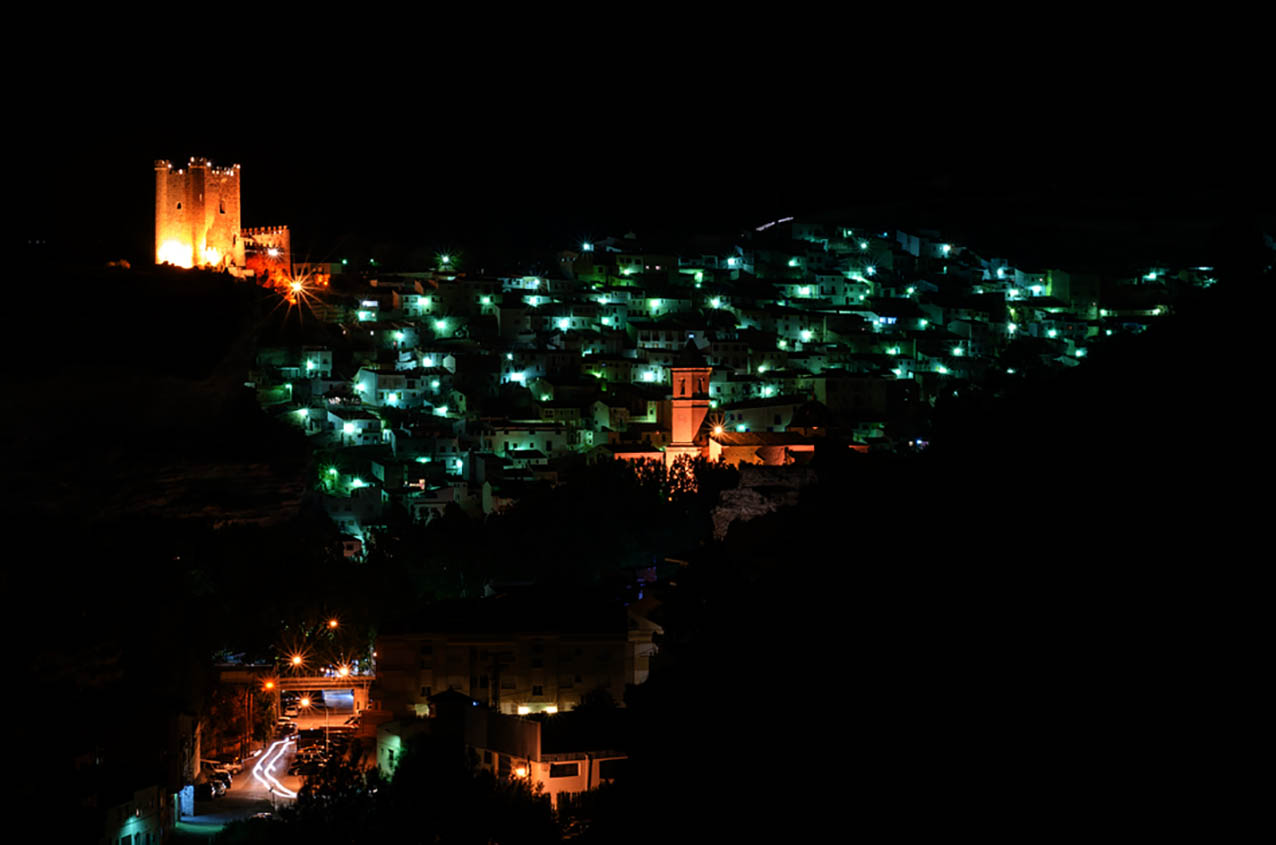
{"x":197,"y":221}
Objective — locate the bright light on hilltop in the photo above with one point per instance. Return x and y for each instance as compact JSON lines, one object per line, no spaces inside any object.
{"x":175,"y":253}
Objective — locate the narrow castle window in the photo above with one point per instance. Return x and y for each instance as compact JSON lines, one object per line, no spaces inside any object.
{"x":179,"y":206}
{"x":221,"y":207}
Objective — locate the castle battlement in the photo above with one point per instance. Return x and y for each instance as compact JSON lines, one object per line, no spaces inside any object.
{"x":165,"y":164}
{"x":265,"y":230}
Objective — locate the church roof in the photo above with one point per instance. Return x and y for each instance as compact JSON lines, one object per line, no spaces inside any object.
{"x":760,"y":438}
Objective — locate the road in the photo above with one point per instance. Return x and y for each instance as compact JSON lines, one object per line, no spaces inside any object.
{"x":261,"y":787}
{"x":264,"y":784}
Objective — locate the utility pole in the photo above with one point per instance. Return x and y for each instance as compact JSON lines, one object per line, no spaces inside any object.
{"x":248,"y":723}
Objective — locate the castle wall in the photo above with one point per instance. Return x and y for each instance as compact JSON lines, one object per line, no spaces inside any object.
{"x":259,"y":242}
{"x":221,"y":214}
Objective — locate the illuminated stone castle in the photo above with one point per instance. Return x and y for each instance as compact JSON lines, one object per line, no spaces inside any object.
{"x":197,"y":223}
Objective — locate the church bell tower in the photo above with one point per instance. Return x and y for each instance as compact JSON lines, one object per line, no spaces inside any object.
{"x":690,"y":404}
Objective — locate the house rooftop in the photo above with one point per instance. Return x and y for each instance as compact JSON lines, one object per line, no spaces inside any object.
{"x":787,"y":399}
{"x":346,"y":413}
{"x":627,"y":448}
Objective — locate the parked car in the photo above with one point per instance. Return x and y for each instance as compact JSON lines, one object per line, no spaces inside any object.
{"x":214,"y":766}
{"x":205,"y":792}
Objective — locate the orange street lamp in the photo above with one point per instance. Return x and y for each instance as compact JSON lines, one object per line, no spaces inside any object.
{"x":521,"y":771}
{"x":270,"y":685}
{"x":343,"y":671}
{"x":305,"y":705}
{"x":332,"y":623}
{"x":296,"y":660}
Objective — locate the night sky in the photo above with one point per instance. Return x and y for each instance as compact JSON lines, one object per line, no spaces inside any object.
{"x":506,"y":160}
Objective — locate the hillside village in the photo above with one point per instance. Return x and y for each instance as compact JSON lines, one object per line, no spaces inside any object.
{"x":446,"y":387}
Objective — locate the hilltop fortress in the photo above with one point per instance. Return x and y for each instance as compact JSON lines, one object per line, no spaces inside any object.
{"x":197,"y":222}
